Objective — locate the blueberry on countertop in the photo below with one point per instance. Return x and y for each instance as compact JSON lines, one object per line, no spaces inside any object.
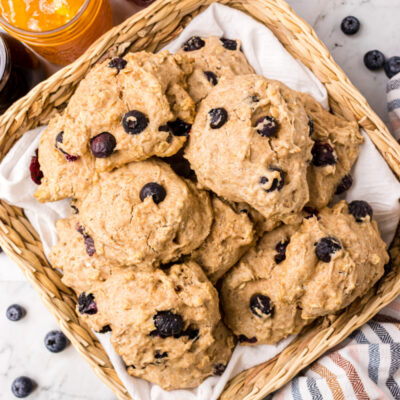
{"x":55,"y":341}
{"x":22,"y":387}
{"x":374,"y":60}
{"x":350,"y":25}
{"x":392,"y":66}
{"x":15,"y":312}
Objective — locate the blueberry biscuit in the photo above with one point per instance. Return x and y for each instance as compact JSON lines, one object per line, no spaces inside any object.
{"x":143,"y":214}
{"x":165,"y":324}
{"x":214,"y":58}
{"x":335,"y":150}
{"x":107,"y":124}
{"x":250,"y":143}
{"x":298,"y":273}
{"x":230,"y":237}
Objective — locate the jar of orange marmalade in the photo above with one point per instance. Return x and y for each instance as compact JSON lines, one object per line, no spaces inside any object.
{"x":59,"y":30}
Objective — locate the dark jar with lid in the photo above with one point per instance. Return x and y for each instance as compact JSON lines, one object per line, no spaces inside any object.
{"x":20,"y":70}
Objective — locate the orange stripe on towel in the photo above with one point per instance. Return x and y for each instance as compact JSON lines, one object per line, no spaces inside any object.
{"x":351,"y":374}
{"x":331,"y":380}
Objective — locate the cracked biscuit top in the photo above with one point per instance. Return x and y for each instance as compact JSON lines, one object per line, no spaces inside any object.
{"x":297,"y":273}
{"x":143,"y":214}
{"x":127,"y":109}
{"x":214,"y":58}
{"x":250,"y":143}
{"x":165,"y":324}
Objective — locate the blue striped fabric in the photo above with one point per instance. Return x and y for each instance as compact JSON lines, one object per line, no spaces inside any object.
{"x":374,"y":362}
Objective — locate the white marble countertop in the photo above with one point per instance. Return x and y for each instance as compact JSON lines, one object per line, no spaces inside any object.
{"x":66,"y":376}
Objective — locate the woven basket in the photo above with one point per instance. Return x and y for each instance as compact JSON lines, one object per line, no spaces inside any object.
{"x":150,"y":30}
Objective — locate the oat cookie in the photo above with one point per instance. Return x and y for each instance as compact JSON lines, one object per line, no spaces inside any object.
{"x":143,"y":214}
{"x":335,"y":150}
{"x":250,"y":143}
{"x":230,"y":237}
{"x":75,"y":255}
{"x":214,"y":58}
{"x":127,"y":109}
{"x":298,"y":273}
{"x":165,"y":324}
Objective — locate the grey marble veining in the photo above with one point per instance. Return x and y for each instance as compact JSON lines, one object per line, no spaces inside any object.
{"x":66,"y":376}
{"x":379,"y":30}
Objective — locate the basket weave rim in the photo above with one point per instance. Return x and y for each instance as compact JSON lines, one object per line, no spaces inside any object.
{"x":151,"y":29}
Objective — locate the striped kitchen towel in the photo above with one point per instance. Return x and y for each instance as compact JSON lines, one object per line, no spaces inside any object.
{"x":393,"y":95}
{"x":366,"y":365}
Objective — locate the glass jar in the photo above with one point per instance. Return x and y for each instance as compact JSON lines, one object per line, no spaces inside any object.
{"x":66,"y":43}
{"x":20,"y":70}
{"x":143,"y":3}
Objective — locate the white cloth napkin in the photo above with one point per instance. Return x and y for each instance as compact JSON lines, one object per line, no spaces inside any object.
{"x":374,"y":182}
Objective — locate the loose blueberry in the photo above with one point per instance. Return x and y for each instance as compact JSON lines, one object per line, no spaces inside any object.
{"x":229,"y":44}
{"x":179,"y":127}
{"x":103,"y":145}
{"x":86,"y":304}
{"x":261,"y":305}
{"x":344,"y":184}
{"x":277,"y":183}
{"x":374,"y":60}
{"x":34,"y":168}
{"x":218,"y":117}
{"x":134,"y":122}
{"x":267,"y":126}
{"x":55,"y":341}
{"x":168,"y":324}
{"x":281,"y":251}
{"x":194,"y":43}
{"x":15,"y":312}
{"x":392,"y":66}
{"x":360,"y":210}
{"x":105,"y":329}
{"x":350,"y":25}
{"x":118,"y":63}
{"x":326,"y":247}
{"x":219,"y":369}
{"x":211,"y":77}
{"x":245,"y":339}
{"x":22,"y":387}
{"x":154,"y":190}
{"x":158,"y":355}
{"x":323,"y":154}
{"x":310,"y":126}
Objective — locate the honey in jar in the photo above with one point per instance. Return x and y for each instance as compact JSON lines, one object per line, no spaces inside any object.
{"x":59,"y":30}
